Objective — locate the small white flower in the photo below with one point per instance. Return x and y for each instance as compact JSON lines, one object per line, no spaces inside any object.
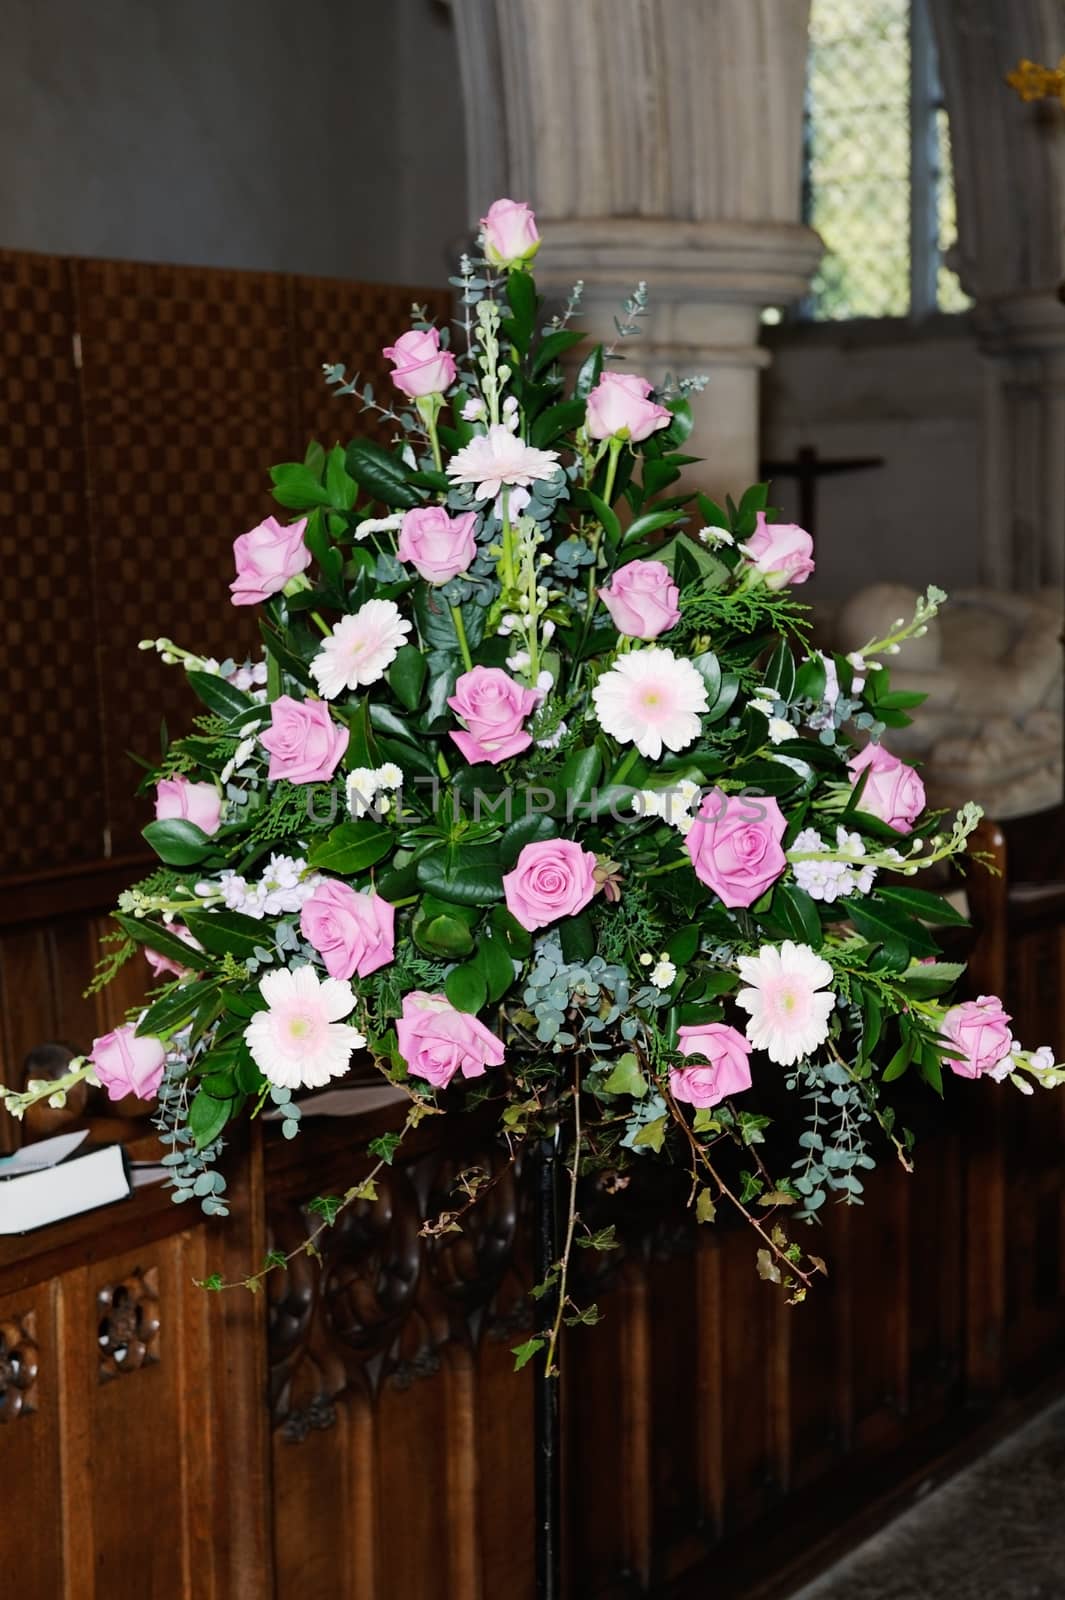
{"x":789,"y":1012}
{"x":646,"y":959}
{"x":390,"y":776}
{"x":300,"y":1041}
{"x":473,"y":410}
{"x":552,"y":741}
{"x":548,"y":631}
{"x":663,"y":973}
{"x":283,"y":886}
{"x":766,"y":707}
{"x":361,"y":790}
{"x":508,"y":623}
{"x":360,"y":649}
{"x":713,"y":537}
{"x":519,"y":661}
{"x":780,"y":729}
{"x":377,"y":525}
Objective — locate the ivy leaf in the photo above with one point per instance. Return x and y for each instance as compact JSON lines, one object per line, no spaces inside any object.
{"x":523,"y":1353}
{"x":385,"y":1146}
{"x":705,"y":1209}
{"x":652,"y":1134}
{"x":627,"y":1078}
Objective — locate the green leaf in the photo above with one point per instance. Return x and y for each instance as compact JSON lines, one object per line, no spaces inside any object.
{"x":590,"y":373}
{"x":496,"y":964}
{"x":554,"y":345}
{"x":709,"y":669}
{"x":607,"y":518}
{"x":466,"y":988}
{"x":517,"y":939}
{"x":352,"y":847}
{"x":521,"y":295}
{"x":577,"y":778}
{"x":796,"y":912}
{"x":177,"y":842}
{"x":627,"y":1078}
{"x":171,"y":1010}
{"x":810,"y":679}
{"x":921,"y":903}
{"x":929,"y":979}
{"x":523,"y":1353}
{"x":555,"y":421}
{"x":524,"y":830}
{"x":406,"y":676}
{"x":683,"y":421}
{"x":650,"y":522}
{"x":297,"y":487}
{"x":156,"y":936}
{"x":469,"y":874}
{"x":683,"y":944}
{"x":340,"y":485}
{"x":875,"y":920}
{"x":576,"y":937}
{"x":730,"y":688}
{"x":898,"y":1063}
{"x":705,"y":1210}
{"x":780,"y":673}
{"x":653,"y":1134}
{"x":440,"y":934}
{"x":207,"y":1117}
{"x":711,"y":512}
{"x":227,"y":932}
{"x":385,"y":1146}
{"x":218,"y":695}
{"x":381,"y":475}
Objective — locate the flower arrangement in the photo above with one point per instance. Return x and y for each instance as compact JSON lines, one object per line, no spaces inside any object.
{"x":540,"y":801}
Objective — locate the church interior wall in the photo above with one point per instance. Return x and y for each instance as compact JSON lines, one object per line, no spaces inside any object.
{"x":320,"y":140}
{"x":913,"y":396}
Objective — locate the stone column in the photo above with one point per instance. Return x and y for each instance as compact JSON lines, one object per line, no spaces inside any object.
{"x":1009,"y":164}
{"x":659,"y":141}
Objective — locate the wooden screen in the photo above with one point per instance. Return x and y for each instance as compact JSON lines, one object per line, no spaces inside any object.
{"x":140,"y":407}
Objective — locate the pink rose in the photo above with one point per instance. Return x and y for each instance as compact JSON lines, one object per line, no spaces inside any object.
{"x":642,"y":599}
{"x":354,"y":933}
{"x":979,"y":1029}
{"x":893,"y":791}
{"x":727,"y":1070}
{"x":267,"y":558}
{"x":510,"y":234}
{"x":200,"y":803}
{"x":439,"y":546}
{"x":160,"y":964}
{"x":304,"y":742}
{"x":126,"y":1064}
{"x":436,"y":1041}
{"x":493,"y":707}
{"x":781,"y":552}
{"x":420,"y":366}
{"x":618,"y":407}
{"x":734,"y":844}
{"x":552,"y":878}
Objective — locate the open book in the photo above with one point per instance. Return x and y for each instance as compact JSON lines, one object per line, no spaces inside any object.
{"x":45,"y":1182}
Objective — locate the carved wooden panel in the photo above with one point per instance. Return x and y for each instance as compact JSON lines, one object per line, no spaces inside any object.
{"x":128,"y":1329}
{"x":18,"y":1366}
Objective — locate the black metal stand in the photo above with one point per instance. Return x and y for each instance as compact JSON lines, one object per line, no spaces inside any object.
{"x":548,"y":1433}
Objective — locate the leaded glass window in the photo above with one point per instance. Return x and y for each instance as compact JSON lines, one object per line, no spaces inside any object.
{"x":878,"y":182}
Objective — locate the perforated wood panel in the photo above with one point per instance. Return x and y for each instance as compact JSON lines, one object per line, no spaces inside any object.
{"x":52,"y":777}
{"x":186,"y":405}
{"x":122,"y":487}
{"x":335,"y":321}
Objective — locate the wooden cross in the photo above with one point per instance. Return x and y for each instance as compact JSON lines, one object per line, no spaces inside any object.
{"x":806,"y":469}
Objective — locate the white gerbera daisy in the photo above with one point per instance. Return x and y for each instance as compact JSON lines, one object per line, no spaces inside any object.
{"x":360,"y":648}
{"x":301,"y":1042}
{"x":788,"y":1011}
{"x":652,"y":699}
{"x":499,"y":458}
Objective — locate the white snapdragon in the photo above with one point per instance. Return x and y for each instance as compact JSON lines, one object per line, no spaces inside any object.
{"x":244,"y":751}
{"x":827,"y":879}
{"x":285,"y":884}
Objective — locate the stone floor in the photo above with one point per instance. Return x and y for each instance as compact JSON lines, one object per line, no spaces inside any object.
{"x":995,"y":1532}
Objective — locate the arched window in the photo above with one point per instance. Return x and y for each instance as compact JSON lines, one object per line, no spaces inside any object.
{"x":878,"y":179}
